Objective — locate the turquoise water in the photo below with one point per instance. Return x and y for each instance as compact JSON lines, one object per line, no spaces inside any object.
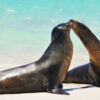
{"x":26,"y":25}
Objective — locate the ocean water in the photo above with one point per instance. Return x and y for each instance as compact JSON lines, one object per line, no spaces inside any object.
{"x":26,"y":25}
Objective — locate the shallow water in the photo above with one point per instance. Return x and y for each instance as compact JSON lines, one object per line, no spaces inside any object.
{"x":26,"y":25}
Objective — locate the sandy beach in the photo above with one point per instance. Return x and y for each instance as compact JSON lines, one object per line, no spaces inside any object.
{"x":73,"y":91}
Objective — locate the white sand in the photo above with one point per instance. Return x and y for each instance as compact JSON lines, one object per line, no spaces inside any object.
{"x":75,"y":91}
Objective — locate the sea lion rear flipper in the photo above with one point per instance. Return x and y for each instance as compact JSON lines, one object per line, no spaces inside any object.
{"x":79,"y":75}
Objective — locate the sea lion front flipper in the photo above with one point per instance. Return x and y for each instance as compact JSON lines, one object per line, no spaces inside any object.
{"x":56,"y":89}
{"x":60,"y":86}
{"x":53,"y":88}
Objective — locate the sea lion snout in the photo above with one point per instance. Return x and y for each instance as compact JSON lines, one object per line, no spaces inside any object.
{"x":64,"y":27}
{"x":73,"y":23}
{"x":72,"y":20}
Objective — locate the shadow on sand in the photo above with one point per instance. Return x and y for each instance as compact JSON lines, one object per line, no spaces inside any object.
{"x":72,"y":89}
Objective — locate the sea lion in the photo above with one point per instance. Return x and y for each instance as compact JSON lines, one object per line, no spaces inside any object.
{"x":47,"y":73}
{"x":88,"y":73}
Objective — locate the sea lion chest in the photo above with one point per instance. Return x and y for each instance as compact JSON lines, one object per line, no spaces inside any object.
{"x":67,"y":60}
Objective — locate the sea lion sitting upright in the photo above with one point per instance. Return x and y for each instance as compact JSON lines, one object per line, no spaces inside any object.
{"x":88,"y":73}
{"x":47,"y":73}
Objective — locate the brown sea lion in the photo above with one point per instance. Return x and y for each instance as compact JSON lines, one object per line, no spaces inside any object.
{"x":88,"y":73}
{"x":47,"y":73}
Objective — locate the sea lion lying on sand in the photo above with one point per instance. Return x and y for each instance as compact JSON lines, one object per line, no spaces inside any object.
{"x":47,"y":73}
{"x":88,"y":73}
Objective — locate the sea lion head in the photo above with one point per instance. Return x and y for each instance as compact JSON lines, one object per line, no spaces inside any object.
{"x":65,"y":27}
{"x":77,"y":26}
{"x":61,"y":29}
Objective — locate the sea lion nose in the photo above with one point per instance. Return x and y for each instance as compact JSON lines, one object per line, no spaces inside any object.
{"x":73,"y":23}
{"x":71,"y":20}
